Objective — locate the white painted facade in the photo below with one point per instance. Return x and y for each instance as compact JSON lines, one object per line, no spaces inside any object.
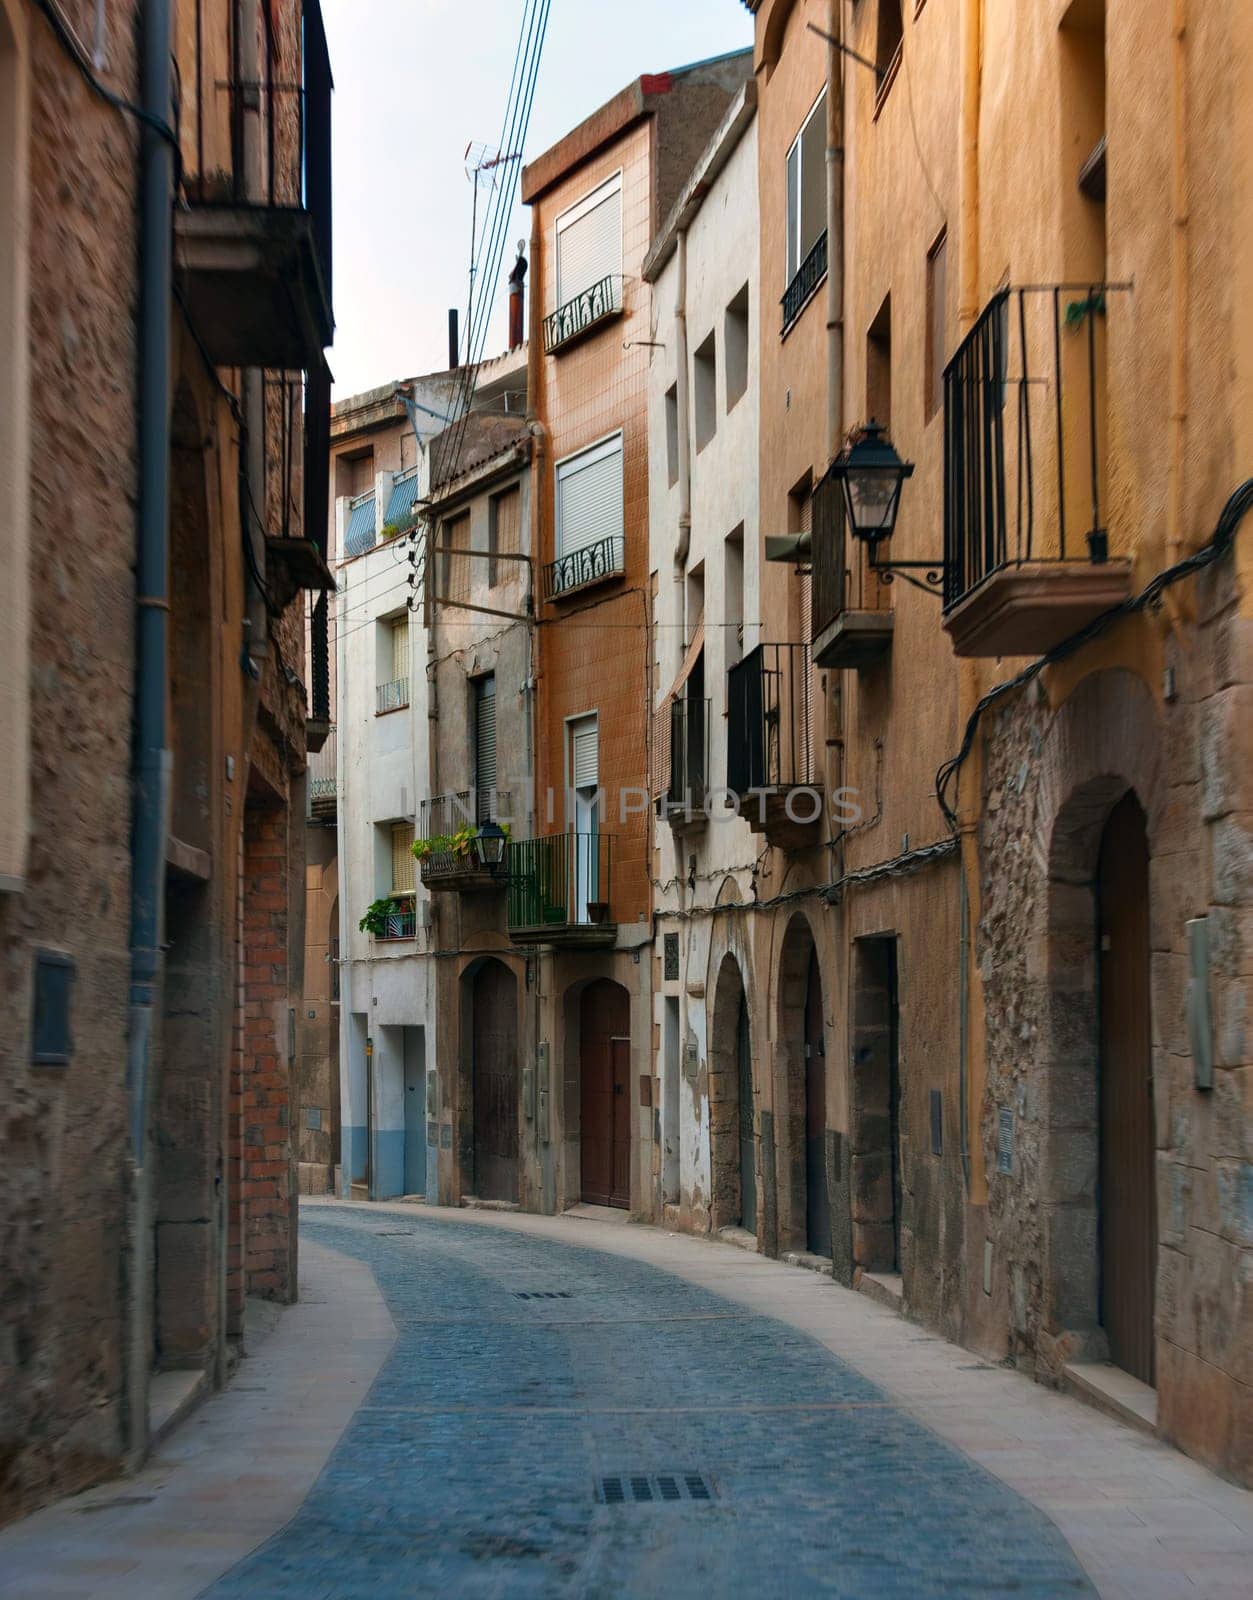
{"x":711,"y":240}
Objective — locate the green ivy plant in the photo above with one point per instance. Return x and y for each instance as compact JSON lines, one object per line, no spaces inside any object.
{"x":375,"y":920}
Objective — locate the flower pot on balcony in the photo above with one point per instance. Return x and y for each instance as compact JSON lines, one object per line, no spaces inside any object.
{"x":598,"y":912}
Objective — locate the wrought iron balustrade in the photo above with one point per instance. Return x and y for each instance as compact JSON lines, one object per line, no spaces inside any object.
{"x":770,"y":708}
{"x":403,"y":922}
{"x":391,"y":696}
{"x":1024,"y":434}
{"x":577,"y":316}
{"x":604,"y":559}
{"x":805,"y":280}
{"x":560,"y":882}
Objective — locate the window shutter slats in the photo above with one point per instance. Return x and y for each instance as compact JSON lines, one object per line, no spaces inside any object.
{"x":589,"y":247}
{"x":484,"y":740}
{"x":585,"y":756}
{"x":589,"y":500}
{"x":402,"y":858}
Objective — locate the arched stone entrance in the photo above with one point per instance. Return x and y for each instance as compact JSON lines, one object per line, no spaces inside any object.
{"x":804,"y":1204}
{"x":492,"y":992}
{"x":732,"y":1106}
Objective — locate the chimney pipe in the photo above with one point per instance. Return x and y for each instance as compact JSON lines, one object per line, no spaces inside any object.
{"x":516,"y":280}
{"x":453,"y":362}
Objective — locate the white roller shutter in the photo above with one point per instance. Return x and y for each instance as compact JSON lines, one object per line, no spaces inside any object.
{"x":589,"y":499}
{"x":589,"y":241}
{"x":585,"y":754}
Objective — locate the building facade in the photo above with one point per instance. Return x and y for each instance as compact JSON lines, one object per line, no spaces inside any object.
{"x":580,"y":895}
{"x":1031,"y":992}
{"x":155,"y":717}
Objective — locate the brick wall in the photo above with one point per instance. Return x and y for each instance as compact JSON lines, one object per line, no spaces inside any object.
{"x":266,"y":1156}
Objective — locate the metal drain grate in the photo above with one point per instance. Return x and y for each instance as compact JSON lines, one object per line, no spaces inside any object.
{"x":544,"y":1294}
{"x":644,"y":1488}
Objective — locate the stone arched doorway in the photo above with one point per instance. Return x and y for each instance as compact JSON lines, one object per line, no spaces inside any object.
{"x":605,"y":1094}
{"x":804,"y":1198}
{"x":492,"y":991}
{"x":732,"y":1106}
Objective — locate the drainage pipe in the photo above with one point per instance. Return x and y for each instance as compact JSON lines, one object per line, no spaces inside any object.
{"x":152,"y":761}
{"x":684,"y":437}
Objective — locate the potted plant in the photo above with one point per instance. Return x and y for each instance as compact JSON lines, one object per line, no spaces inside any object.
{"x":377,"y":912}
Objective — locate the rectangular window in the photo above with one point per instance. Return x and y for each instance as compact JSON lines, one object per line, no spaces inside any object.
{"x":937,"y":299}
{"x":733,"y":595}
{"x":400,"y":648}
{"x":705,"y":386}
{"x":585,"y":753}
{"x":454,"y":562}
{"x":503,"y":534}
{"x":589,"y":505}
{"x":589,"y":241}
{"x":485,"y":745}
{"x":402,"y":858}
{"x":807,"y":187}
{"x":879,"y":367}
{"x":735,"y":347}
{"x":672,"y":434}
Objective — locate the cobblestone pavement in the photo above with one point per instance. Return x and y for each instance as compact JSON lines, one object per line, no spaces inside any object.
{"x":526,"y":1372}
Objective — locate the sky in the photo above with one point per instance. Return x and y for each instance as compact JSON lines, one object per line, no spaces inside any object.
{"x":416,"y":82}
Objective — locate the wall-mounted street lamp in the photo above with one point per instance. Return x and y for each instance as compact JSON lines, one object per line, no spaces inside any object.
{"x":871,"y":474}
{"x":489,"y":847}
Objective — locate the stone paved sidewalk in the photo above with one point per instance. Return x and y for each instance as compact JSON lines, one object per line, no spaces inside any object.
{"x":849,"y":1452}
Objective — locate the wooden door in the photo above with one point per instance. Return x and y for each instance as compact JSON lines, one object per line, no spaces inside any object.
{"x":495,"y":1083}
{"x":748,"y":1141}
{"x":605,"y":1094}
{"x":817,"y":1204}
{"x":1128,"y":1208}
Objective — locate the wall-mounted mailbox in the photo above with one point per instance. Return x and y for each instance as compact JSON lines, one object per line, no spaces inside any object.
{"x":432,"y":1095}
{"x":691,"y":1058}
{"x":528,"y":1093}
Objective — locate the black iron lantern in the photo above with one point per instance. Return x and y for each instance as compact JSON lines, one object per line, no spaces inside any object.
{"x":871,"y":474}
{"x":489,"y":846}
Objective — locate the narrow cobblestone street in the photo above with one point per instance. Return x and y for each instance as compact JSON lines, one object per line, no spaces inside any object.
{"x":533,"y":1358}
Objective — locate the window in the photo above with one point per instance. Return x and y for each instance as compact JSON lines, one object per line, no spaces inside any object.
{"x":879,"y":367}
{"x":887,"y":41}
{"x":735,"y":347}
{"x":800,"y":520}
{"x":705,"y":385}
{"x":693,"y":603}
{"x":504,"y":531}
{"x":933,"y":397}
{"x":585,"y":753}
{"x":454,"y":562}
{"x":589,"y":241}
{"x":402,"y":858}
{"x":393,"y":664}
{"x":672,"y":434}
{"x":484,"y":690}
{"x":807,"y":187}
{"x":589,"y":514}
{"x":733,"y":595}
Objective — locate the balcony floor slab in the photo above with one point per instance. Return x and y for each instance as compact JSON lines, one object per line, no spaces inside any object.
{"x":1026,"y":610}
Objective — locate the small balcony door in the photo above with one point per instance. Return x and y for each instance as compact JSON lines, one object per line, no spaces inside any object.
{"x":585,"y":812}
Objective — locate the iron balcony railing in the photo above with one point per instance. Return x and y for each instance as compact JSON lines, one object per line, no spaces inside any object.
{"x":1024,"y":434}
{"x":770,"y":720}
{"x":392,"y":696}
{"x":577,"y":316}
{"x":689,"y":756}
{"x":322,"y":783}
{"x":558,"y":882}
{"x":403,"y":922}
{"x":604,"y":559}
{"x":805,"y":280}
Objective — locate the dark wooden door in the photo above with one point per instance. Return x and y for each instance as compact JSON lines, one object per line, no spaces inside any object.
{"x":817,"y":1204}
{"x":748,"y":1143}
{"x":605,"y":1094}
{"x":1128,"y":1209}
{"x":495,"y":1046}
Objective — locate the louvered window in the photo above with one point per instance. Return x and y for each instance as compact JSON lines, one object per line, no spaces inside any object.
{"x":589,"y":241}
{"x":503,"y":534}
{"x":585,"y":754}
{"x":589,"y":502}
{"x":402,"y":857}
{"x":400,"y":649}
{"x":485,"y":745}
{"x":454,"y":562}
